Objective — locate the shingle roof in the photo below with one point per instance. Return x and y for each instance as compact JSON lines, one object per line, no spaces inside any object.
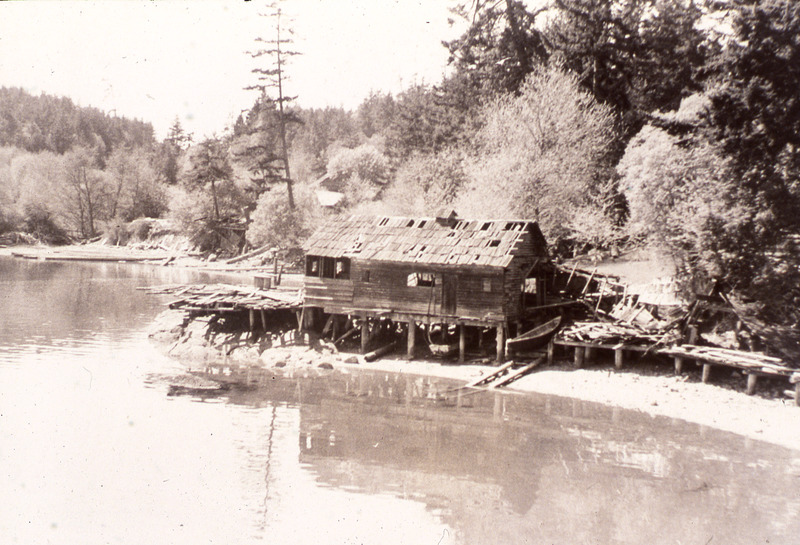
{"x":488,"y":243}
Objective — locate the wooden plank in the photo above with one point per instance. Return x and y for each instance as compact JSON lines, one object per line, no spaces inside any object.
{"x":514,"y":375}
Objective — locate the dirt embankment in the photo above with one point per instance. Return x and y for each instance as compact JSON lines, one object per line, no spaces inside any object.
{"x":648,"y":388}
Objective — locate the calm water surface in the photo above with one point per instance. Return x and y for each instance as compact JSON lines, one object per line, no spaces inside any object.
{"x":94,"y":451}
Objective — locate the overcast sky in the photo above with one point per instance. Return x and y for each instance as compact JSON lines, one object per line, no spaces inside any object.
{"x":159,"y":60}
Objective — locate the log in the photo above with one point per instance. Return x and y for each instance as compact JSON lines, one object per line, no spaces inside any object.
{"x":328,"y":325}
{"x":349,"y":333}
{"x":375,"y":354}
{"x":248,"y":255}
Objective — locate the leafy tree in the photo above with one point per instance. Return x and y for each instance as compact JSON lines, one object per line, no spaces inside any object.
{"x":209,"y":167}
{"x":361,"y":172}
{"x":277,"y":225}
{"x":87,"y":192}
{"x":135,"y":191}
{"x":425,"y":183}
{"x":543,"y":155}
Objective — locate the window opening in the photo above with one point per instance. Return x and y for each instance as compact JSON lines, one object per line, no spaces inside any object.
{"x":410,"y":223}
{"x":485,"y":226}
{"x":487,"y":285}
{"x":365,"y":275}
{"x":422,"y":224}
{"x":494,"y":243}
{"x":342,"y":269}
{"x":312,"y":266}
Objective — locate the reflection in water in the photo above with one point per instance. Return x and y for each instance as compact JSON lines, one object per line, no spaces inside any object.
{"x":98,"y":452}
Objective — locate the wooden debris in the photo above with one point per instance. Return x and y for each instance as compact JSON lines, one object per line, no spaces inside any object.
{"x":223,"y":297}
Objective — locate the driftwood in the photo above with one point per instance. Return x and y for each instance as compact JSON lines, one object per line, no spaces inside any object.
{"x":248,"y":255}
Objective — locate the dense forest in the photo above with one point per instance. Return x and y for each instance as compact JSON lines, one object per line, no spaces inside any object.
{"x":669,"y":124}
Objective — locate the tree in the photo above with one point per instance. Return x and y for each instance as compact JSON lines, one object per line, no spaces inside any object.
{"x":424,"y":183}
{"x":87,"y":192}
{"x":273,"y":77}
{"x":543,"y":155}
{"x":135,"y":190}
{"x":361,"y":172}
{"x":209,"y":167}
{"x":171,"y":151}
{"x":755,"y":109}
{"x":501,"y":46}
{"x":636,"y":56}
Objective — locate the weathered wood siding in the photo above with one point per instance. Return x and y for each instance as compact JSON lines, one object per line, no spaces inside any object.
{"x":327,"y":293}
{"x":387,"y":289}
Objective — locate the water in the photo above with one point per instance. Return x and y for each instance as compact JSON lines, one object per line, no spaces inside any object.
{"x":94,"y":451}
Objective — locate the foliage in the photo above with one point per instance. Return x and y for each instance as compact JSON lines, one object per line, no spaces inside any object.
{"x":209,"y":167}
{"x":56,"y":124}
{"x":277,"y":225}
{"x":427,"y":182}
{"x":684,"y":200}
{"x":543,"y":155}
{"x":755,"y":109}
{"x":361,"y":172}
{"x":87,"y":193}
{"x":500,"y":48}
{"x":637,"y":56}
{"x":135,"y":191}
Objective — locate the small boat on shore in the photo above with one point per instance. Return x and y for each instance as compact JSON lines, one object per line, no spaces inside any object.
{"x":535,"y":337}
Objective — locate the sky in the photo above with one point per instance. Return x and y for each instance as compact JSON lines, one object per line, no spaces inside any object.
{"x":167,"y":59}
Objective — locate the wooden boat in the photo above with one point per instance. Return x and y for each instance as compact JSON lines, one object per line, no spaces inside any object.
{"x":534,"y":338}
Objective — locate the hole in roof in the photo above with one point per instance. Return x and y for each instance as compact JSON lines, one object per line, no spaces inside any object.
{"x":510,"y":225}
{"x":494,"y":243}
{"x":383,"y":222}
{"x":422,"y":249}
{"x":422,"y":224}
{"x":451,"y":234}
{"x":485,"y":226}
{"x":410,"y":223}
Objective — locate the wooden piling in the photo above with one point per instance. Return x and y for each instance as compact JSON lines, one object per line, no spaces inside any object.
{"x":364,"y":334}
{"x":551,"y":349}
{"x":706,"y":372}
{"x":412,"y":329}
{"x":589,"y":354}
{"x":501,"y":343}
{"x":462,"y":342}
{"x":579,"y":352}
{"x":619,"y":358}
{"x":678,"y":365}
{"x":752,"y":381}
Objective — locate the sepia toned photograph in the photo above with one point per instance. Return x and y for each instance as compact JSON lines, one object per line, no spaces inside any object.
{"x":400,"y":272}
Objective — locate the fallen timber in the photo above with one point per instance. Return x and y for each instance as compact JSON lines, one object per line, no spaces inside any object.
{"x":223,"y":297}
{"x":502,"y":376}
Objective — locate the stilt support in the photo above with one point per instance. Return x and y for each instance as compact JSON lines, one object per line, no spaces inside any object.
{"x":619,"y":358}
{"x":412,"y":330}
{"x":706,"y":372}
{"x":752,"y":381}
{"x":551,"y":349}
{"x":678,"y":365}
{"x":589,"y":356}
{"x":579,"y":352}
{"x":364,"y":334}
{"x":501,"y":343}
{"x":462,"y":342}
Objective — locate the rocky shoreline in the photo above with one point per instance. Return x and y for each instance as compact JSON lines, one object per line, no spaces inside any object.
{"x":648,"y":387}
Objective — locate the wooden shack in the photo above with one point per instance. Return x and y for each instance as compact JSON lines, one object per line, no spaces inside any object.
{"x":438,"y":270}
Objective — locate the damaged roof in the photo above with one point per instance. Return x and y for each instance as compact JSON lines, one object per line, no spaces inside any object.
{"x":433,"y":241}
